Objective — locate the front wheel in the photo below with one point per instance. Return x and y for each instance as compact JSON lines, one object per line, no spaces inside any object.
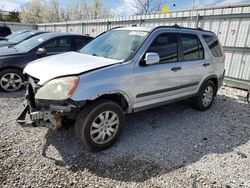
{"x":99,"y":125}
{"x":206,"y":96}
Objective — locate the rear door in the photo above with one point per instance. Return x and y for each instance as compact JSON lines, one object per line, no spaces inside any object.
{"x":192,"y":61}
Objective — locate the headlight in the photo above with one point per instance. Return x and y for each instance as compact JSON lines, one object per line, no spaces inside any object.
{"x":58,"y":89}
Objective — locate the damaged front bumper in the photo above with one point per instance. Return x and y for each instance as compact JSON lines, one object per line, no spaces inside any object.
{"x":49,"y":119}
{"x":48,"y":115}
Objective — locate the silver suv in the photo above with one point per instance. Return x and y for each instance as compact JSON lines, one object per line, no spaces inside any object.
{"x":123,"y":70}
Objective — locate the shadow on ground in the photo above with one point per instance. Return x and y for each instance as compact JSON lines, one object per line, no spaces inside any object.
{"x":159,"y":140}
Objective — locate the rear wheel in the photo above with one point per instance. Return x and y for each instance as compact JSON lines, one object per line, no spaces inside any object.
{"x":206,"y":96}
{"x":11,"y":80}
{"x":99,"y":125}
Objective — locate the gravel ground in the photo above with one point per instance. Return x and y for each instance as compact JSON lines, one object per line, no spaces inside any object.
{"x":169,"y":146}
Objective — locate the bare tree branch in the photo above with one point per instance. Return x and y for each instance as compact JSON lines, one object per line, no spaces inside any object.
{"x":146,"y":6}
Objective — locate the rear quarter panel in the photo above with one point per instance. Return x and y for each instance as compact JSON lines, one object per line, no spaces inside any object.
{"x":217,"y":64}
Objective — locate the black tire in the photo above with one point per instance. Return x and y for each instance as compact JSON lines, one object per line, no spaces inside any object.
{"x":88,"y":115}
{"x":17,"y":73}
{"x":198,"y":101}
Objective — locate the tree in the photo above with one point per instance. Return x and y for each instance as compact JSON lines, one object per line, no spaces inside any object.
{"x":40,"y":11}
{"x":146,"y":6}
{"x":8,"y":16}
{"x":1,"y":13}
{"x":99,"y":11}
{"x":33,"y":12}
{"x":96,"y":8}
{"x":52,"y":11}
{"x":12,"y":17}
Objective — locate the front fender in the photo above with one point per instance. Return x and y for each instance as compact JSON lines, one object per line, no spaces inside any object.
{"x":95,"y":92}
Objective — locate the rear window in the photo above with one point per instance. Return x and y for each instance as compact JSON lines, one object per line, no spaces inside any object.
{"x":214,"y":45}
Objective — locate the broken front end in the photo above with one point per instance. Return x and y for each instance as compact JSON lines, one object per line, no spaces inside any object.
{"x":49,"y":105}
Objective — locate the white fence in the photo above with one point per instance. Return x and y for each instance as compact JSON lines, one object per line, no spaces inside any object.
{"x":14,"y":26}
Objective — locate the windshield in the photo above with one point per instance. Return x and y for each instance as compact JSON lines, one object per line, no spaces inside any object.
{"x":21,"y":37}
{"x":117,"y":44}
{"x":31,"y":43}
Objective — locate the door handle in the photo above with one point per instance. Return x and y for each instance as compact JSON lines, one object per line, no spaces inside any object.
{"x":175,"y":69}
{"x":206,"y":64}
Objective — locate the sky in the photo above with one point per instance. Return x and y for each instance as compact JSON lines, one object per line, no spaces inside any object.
{"x":123,"y":7}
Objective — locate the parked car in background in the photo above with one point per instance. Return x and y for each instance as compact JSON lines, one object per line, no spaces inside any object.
{"x":4,"y":30}
{"x":20,"y":38}
{"x":14,"y":34}
{"x":14,"y":59}
{"x":122,"y":71}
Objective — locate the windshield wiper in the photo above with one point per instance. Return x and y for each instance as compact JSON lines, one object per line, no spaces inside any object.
{"x":95,"y":55}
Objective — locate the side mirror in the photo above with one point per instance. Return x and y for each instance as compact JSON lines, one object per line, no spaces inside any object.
{"x":41,"y":51}
{"x":151,"y":58}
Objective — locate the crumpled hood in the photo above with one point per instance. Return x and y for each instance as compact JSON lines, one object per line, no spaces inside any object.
{"x":69,"y":63}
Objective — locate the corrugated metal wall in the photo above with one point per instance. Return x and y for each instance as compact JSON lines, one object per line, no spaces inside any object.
{"x":14,"y":26}
{"x":231,"y":24}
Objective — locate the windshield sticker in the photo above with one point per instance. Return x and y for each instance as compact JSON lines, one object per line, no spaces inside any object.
{"x":40,"y":40}
{"x":139,"y":33}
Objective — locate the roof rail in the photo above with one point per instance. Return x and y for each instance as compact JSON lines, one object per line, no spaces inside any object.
{"x":180,"y":27}
{"x":176,"y":26}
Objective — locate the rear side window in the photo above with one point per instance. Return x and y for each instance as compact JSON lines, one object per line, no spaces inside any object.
{"x":192,"y":48}
{"x":58,"y":45}
{"x":166,"y":46}
{"x":213,"y":44}
{"x":81,"y":42}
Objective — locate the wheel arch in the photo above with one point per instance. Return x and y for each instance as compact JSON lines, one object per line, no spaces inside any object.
{"x":214,"y":78}
{"x":119,"y":97}
{"x":11,"y":67}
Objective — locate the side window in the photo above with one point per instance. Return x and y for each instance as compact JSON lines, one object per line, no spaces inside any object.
{"x":58,"y":45}
{"x":166,"y":46}
{"x":192,"y":48}
{"x":214,"y":45}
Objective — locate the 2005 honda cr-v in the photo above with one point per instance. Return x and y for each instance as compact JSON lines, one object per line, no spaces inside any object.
{"x":123,"y":70}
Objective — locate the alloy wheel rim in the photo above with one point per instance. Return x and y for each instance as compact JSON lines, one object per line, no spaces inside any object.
{"x":11,"y":82}
{"x":104,"y":127}
{"x":207,"y":96}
